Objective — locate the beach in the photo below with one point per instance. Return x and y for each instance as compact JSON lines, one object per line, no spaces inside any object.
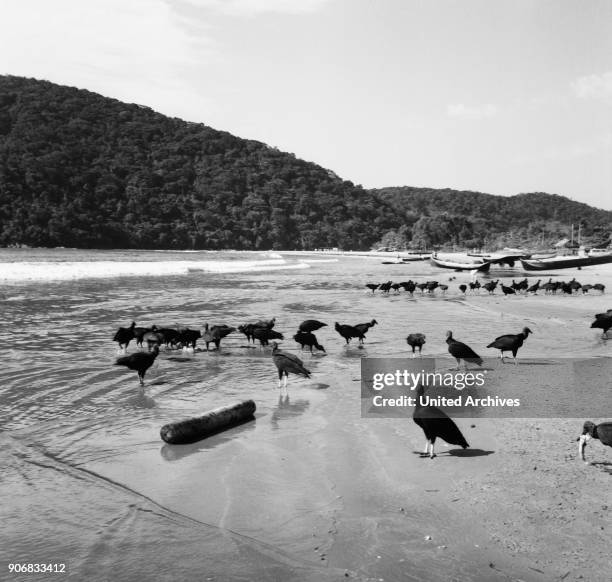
{"x":311,"y":489}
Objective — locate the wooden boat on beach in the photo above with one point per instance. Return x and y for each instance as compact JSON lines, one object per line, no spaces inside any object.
{"x":460,"y":262}
{"x":566,"y":262}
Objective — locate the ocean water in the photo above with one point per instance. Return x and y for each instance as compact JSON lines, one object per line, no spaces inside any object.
{"x":89,"y":481}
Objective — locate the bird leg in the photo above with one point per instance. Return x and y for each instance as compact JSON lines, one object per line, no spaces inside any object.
{"x":426,"y":451}
{"x":582,"y":445}
{"x":432,"y":454}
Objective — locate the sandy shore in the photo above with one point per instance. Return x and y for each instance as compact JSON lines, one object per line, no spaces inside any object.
{"x":331,"y":495}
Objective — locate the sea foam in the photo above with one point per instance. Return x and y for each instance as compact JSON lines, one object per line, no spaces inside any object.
{"x":62,"y":271}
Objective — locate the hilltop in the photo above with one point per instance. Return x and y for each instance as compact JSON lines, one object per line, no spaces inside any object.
{"x":82,"y":170}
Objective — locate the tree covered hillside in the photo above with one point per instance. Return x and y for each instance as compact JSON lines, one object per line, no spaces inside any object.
{"x":78,"y":169}
{"x":81,"y":170}
{"x":472,"y":219}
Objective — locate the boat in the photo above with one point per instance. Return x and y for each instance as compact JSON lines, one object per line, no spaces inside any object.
{"x":566,"y":262}
{"x":460,"y":262}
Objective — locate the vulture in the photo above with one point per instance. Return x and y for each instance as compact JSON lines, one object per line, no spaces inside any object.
{"x":508,"y":290}
{"x":461,"y":351}
{"x":311,"y":325}
{"x":364,"y":327}
{"x":372,"y":287}
{"x":153,"y":338}
{"x":436,"y":424}
{"x":415,"y":340}
{"x":215,"y":334}
{"x":534,"y":288}
{"x":305,"y":338}
{"x":267,"y":323}
{"x":264,"y":335}
{"x":287,"y":363}
{"x":510,"y":343}
{"x":348,"y":332}
{"x":603,"y":321}
{"x":139,"y":334}
{"x":139,"y":361}
{"x":590,"y":430}
{"x":124,"y":335}
{"x":463,"y":288}
{"x":490,"y":286}
{"x":189,"y":337}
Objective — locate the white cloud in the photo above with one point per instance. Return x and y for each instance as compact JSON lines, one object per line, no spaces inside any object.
{"x":255,"y":7}
{"x":461,"y":111}
{"x":137,"y":51}
{"x":594,"y":86}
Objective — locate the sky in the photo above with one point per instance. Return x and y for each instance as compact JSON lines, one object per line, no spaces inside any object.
{"x":496,"y":96}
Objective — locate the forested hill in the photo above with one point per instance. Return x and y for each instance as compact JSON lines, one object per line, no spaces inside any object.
{"x":473,"y":219}
{"x":78,"y":169}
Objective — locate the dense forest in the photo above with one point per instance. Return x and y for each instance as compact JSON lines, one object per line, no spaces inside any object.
{"x":81,"y":170}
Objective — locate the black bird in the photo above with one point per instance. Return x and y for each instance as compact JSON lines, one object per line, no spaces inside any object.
{"x":171,"y":336}
{"x":311,"y":325}
{"x":461,"y":351}
{"x":348,"y":332}
{"x":124,"y":336}
{"x":463,"y":288}
{"x":409,"y":286}
{"x":286,"y":363}
{"x":603,"y":321}
{"x":508,"y":290}
{"x":600,"y":287}
{"x":189,"y":337}
{"x":305,"y":338}
{"x":475,"y":286}
{"x":490,"y":286}
{"x":268,"y":323}
{"x":372,"y":287}
{"x":215,"y":334}
{"x":602,"y":431}
{"x":139,"y":334}
{"x":364,"y":327}
{"x":264,"y":335}
{"x":153,"y":338}
{"x":139,"y":361}
{"x":534,"y":288}
{"x":435,"y":424}
{"x":416,"y":340}
{"x":247,"y":329}
{"x":510,"y":343}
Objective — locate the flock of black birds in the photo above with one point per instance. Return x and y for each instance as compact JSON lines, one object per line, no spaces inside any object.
{"x":434,"y":422}
{"x":515,"y":287}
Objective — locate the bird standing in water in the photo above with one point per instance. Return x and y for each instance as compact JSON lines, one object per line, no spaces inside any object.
{"x":416,"y":340}
{"x":139,"y":361}
{"x":286,"y":363}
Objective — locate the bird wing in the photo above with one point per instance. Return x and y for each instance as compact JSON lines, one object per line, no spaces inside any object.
{"x":461,"y":350}
{"x":290,"y":363}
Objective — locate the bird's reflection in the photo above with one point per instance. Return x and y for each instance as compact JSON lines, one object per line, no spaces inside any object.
{"x":286,"y":409}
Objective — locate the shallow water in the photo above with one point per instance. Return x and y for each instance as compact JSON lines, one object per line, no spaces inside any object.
{"x":87,"y":472}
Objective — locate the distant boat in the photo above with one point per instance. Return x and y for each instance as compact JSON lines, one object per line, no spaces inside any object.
{"x":567,"y":262}
{"x":460,"y":262}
